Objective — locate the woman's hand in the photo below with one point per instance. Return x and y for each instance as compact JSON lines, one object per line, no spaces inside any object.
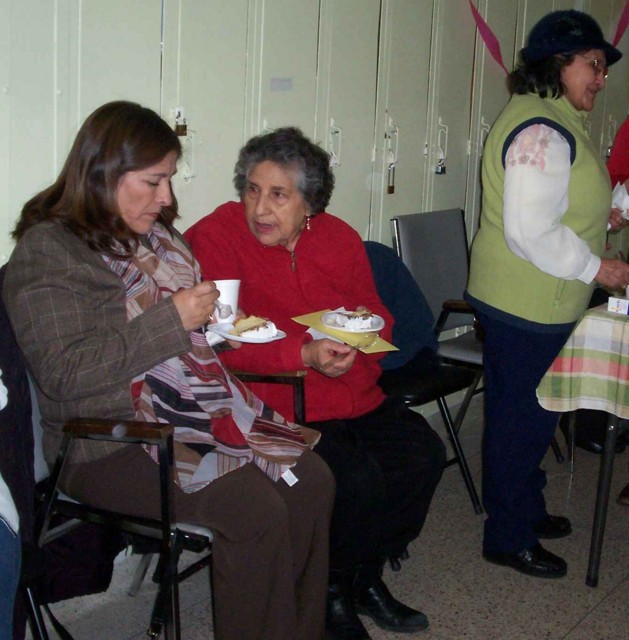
{"x":616,"y":221}
{"x":196,"y":305}
{"x":613,"y":274}
{"x":328,"y":357}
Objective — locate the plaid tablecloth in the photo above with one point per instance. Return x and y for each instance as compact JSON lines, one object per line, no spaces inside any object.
{"x":592,"y":369}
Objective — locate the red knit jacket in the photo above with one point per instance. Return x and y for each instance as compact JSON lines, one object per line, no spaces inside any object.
{"x":331,"y":269}
{"x":618,"y":163}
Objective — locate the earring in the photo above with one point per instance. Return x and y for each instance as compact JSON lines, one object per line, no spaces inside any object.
{"x":308,"y":223}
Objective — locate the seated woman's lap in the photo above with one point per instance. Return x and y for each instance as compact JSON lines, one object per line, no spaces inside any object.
{"x":387,"y":465}
{"x":239,"y":505}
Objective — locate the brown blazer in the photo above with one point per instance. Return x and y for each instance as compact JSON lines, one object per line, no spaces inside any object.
{"x":69,"y":315}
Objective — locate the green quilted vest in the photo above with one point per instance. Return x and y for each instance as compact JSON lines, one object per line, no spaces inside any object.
{"x":497,"y":276}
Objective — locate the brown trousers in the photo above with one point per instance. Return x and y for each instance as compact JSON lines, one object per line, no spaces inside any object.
{"x":270,"y":549}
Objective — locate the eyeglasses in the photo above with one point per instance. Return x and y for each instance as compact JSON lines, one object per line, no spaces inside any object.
{"x":599,"y":66}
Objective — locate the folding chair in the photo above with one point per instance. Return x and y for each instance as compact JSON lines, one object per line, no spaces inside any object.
{"x":418,"y":375}
{"x":433,"y":245}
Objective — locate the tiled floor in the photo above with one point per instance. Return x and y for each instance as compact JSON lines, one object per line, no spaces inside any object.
{"x":445,"y":576}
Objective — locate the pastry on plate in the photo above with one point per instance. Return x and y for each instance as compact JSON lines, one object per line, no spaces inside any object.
{"x":254,"y":327}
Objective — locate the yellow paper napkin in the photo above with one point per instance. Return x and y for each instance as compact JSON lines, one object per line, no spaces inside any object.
{"x":369,"y":342}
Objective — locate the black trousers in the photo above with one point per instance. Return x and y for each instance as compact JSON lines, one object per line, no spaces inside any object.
{"x":387,"y":465}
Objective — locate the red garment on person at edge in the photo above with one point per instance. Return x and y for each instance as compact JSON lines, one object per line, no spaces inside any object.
{"x":618,"y":163}
{"x":331,"y":270}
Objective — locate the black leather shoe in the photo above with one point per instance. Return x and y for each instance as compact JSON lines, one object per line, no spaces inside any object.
{"x":552,"y":527}
{"x":536,"y":562}
{"x":374,"y":599}
{"x":341,"y":621}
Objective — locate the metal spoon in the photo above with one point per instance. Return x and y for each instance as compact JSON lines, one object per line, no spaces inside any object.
{"x":224,"y":310}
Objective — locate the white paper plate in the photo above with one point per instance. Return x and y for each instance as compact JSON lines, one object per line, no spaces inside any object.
{"x":222,"y":329}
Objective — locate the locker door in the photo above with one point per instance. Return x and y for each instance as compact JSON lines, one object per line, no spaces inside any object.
{"x":114,"y":54}
{"x":451,"y":73}
{"x":600,"y":11}
{"x":281,"y":65}
{"x":63,"y":59}
{"x":489,"y":95}
{"x":27,"y":108}
{"x":611,"y":105}
{"x":346,"y":102}
{"x":616,"y":94}
{"x":401,"y":107}
{"x":204,"y":70}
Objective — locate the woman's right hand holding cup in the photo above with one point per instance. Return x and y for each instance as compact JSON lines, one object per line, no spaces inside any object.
{"x":196,"y":305}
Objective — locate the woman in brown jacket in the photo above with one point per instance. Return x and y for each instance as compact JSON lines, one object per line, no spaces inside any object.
{"x":106,"y":302}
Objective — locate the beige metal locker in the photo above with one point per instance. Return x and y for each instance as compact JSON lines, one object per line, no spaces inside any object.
{"x":401,"y":107}
{"x":346,"y":102}
{"x":27,"y":107}
{"x":61,"y":60}
{"x":489,"y":95}
{"x":450,"y":93}
{"x":281,"y":65}
{"x":204,"y":71}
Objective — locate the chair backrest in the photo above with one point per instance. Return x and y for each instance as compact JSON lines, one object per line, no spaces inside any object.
{"x":433,"y":245}
{"x":16,"y":434}
{"x":413,"y":330}
{"x":81,"y":563}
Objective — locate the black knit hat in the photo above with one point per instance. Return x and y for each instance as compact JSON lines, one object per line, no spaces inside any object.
{"x":567,"y":31}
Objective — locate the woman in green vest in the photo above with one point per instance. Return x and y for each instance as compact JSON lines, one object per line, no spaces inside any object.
{"x":535,"y":259}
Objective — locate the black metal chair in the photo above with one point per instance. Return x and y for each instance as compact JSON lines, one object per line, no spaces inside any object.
{"x":173,"y":537}
{"x":434,"y":247}
{"x":418,"y":375}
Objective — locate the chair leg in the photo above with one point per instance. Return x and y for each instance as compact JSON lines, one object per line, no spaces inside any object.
{"x":35,"y":618}
{"x":572,"y":427}
{"x":472,"y":390}
{"x":557,"y":451}
{"x":166,"y":608}
{"x":459,"y":456}
{"x":140,"y":574}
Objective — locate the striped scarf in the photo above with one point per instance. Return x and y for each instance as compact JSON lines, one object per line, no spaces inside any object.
{"x":193,"y":392}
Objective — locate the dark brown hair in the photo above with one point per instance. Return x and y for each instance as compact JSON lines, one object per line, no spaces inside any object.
{"x":542,"y":77}
{"x":116,"y":138}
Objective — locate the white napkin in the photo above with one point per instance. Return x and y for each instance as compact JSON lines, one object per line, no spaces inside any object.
{"x":213,"y":338}
{"x":620,"y":199}
{"x":3,"y":393}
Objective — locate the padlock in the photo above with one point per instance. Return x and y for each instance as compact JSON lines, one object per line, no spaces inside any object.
{"x":440,"y":169}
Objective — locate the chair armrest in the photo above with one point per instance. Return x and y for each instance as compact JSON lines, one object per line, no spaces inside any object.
{"x":451,"y":306}
{"x":122,"y":431}
{"x":118,"y":430}
{"x":457,"y":306}
{"x":284,"y":377}
{"x":294,"y":378}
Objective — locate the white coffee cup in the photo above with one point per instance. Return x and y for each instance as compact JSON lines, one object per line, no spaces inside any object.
{"x":229,"y":295}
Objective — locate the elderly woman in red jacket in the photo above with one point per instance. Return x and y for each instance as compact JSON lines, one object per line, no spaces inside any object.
{"x":293,"y":259}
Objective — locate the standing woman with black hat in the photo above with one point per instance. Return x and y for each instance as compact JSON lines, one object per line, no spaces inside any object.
{"x":535,"y":259}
